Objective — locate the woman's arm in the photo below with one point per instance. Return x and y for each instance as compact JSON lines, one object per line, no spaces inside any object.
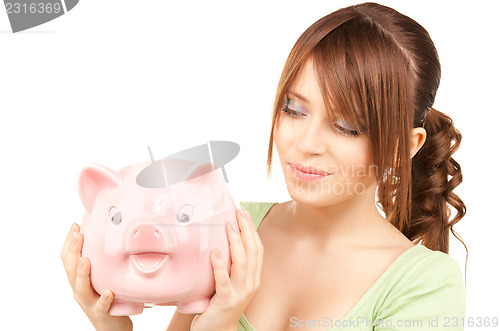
{"x":180,"y":322}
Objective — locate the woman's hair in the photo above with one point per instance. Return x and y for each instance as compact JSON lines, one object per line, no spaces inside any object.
{"x":380,"y":70}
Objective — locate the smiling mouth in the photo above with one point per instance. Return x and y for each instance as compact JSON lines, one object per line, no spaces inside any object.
{"x":309,"y":170}
{"x":149,"y":262}
{"x":307,"y":174}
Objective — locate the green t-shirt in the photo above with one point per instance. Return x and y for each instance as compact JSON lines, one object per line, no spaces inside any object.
{"x":421,"y":290}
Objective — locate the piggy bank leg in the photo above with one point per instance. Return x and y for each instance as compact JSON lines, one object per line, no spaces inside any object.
{"x":125,"y":308}
{"x":193,"y":306}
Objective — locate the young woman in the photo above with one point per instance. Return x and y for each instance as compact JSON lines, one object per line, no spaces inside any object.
{"x":353,"y":124}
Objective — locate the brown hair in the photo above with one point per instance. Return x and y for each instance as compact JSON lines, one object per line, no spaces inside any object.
{"x":380,"y":70}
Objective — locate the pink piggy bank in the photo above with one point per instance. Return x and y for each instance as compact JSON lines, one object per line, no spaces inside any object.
{"x":153,"y":245}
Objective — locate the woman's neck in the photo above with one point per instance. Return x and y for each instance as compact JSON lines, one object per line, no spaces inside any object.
{"x":354,"y":220}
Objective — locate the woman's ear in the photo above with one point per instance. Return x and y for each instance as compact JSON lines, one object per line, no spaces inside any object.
{"x":417,"y":140}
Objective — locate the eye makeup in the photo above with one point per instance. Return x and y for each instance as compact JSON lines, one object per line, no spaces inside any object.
{"x":346,"y":128}
{"x":294,"y":109}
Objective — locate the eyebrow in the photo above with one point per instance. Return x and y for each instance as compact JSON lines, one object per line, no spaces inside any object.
{"x":298,"y":96}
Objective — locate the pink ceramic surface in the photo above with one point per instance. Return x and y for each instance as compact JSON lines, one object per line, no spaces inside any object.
{"x":153,"y":245}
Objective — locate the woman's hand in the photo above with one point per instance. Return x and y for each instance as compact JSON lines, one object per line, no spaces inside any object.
{"x":78,"y":271}
{"x":232,"y":294}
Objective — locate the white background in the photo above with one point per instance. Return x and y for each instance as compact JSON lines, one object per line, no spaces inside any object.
{"x":110,"y":78}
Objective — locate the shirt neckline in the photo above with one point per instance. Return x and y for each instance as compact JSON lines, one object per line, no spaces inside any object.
{"x":365,"y":296}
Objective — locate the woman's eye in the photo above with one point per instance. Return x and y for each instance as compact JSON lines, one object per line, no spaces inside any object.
{"x":293,"y":108}
{"x":346,"y":128}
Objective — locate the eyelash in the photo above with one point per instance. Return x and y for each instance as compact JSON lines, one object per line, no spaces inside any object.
{"x":346,"y":131}
{"x":294,"y":114}
{"x":290,"y":111}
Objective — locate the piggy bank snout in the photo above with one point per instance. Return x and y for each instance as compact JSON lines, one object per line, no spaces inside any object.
{"x":147,"y":238}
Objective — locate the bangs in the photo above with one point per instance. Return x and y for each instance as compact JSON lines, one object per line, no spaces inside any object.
{"x":341,"y":101}
{"x":349,"y":69}
{"x":364,"y":78}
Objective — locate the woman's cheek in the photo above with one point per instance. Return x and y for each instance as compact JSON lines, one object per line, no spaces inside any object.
{"x":354,"y":160}
{"x":284,"y":135}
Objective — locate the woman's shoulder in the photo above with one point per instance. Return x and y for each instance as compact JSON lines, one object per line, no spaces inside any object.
{"x":421,"y":288}
{"x":425,"y":282}
{"x":422,"y":262}
{"x":421,"y":267}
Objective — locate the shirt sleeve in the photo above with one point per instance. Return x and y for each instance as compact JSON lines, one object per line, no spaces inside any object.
{"x":433,"y":298}
{"x":257,"y":210}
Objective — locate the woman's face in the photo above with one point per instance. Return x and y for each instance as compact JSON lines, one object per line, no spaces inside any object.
{"x":324,"y":162}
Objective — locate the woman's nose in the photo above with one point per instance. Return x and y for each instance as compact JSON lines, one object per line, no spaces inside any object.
{"x":313,"y":138}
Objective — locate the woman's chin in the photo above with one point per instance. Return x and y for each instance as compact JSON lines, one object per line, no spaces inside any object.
{"x":310,"y":196}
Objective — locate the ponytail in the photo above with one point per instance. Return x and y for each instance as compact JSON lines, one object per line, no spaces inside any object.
{"x":434,"y":176}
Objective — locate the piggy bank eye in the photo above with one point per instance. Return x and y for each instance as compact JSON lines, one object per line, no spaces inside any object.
{"x":115,"y":215}
{"x":117,"y":218}
{"x":185,"y":213}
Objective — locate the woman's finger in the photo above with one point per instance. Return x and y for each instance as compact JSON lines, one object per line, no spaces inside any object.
{"x":222,"y":281}
{"x":83,"y":289}
{"x":238,"y":255}
{"x":104,"y":302}
{"x":259,"y":255}
{"x":67,"y":241}
{"x":248,"y":237}
{"x":71,"y":253}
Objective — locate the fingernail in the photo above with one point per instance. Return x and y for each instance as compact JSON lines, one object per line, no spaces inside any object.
{"x":74,"y":238}
{"x":235,"y":227}
{"x":218,"y":254}
{"x":105,"y":295}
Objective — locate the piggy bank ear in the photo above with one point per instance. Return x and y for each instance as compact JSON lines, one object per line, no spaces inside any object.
{"x":209,"y":179}
{"x":93,"y":179}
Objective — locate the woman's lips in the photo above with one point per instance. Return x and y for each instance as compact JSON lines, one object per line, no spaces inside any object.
{"x":307,"y":174}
